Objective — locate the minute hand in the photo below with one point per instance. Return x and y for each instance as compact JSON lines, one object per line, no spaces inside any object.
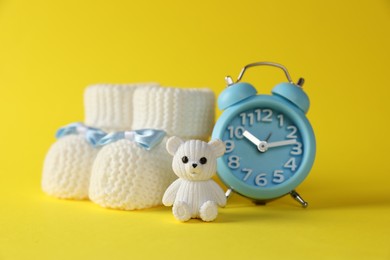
{"x":282,"y":143}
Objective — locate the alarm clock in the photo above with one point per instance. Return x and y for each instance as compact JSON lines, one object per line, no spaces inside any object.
{"x":270,"y":144}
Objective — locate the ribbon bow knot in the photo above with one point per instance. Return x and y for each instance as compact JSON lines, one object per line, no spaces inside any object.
{"x":145,"y":138}
{"x":92,"y":135}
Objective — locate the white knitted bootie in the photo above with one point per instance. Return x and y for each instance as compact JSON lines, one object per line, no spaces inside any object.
{"x":68,"y":163}
{"x":129,"y":173}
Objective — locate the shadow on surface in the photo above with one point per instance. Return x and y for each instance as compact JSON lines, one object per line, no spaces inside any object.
{"x":345,"y":194}
{"x":326,"y":195}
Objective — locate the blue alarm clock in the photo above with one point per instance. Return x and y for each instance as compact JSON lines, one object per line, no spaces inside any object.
{"x":270,"y":144}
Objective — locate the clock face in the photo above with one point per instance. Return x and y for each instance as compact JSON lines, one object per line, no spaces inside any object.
{"x":264,"y":148}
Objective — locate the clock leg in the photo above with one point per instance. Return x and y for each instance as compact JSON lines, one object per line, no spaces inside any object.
{"x":298,"y":198}
{"x":229,"y":193}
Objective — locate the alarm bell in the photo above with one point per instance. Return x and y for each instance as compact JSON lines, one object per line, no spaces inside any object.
{"x":239,"y":91}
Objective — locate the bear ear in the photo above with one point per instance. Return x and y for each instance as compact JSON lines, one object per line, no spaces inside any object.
{"x":218,"y":147}
{"x":173,"y":144}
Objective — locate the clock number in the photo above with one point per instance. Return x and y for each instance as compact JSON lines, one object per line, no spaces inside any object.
{"x":297,"y":149}
{"x":293,"y":130}
{"x":291,"y":164}
{"x":278,"y":176}
{"x":234,"y":162}
{"x":248,"y":173}
{"x":244,"y":117}
{"x":237,"y":132}
{"x":281,"y":120}
{"x":231,"y":131}
{"x":261,"y":179}
{"x":251,"y":118}
{"x":266,"y":118}
{"x":258,"y":115}
{"x":229,"y":146}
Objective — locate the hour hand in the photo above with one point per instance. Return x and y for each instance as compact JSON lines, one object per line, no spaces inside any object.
{"x":253,"y":139}
{"x":261,"y":145}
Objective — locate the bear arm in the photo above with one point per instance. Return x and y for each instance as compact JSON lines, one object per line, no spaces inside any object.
{"x":170,"y":194}
{"x":219,"y":195}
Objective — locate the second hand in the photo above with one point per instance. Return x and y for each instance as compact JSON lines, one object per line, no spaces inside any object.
{"x":268,"y":137}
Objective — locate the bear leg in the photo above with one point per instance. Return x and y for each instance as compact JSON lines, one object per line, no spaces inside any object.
{"x":181,"y":211}
{"x":208,"y":211}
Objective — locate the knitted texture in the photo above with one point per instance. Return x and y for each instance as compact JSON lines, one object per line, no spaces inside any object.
{"x":109,"y":106}
{"x":126,"y":176}
{"x":188,"y":113}
{"x":194,"y":194}
{"x":67,"y":168}
{"x":68,"y":163}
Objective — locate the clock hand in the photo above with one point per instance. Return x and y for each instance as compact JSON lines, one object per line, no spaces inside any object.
{"x":268,"y":137}
{"x":281,"y":143}
{"x":261,"y":145}
{"x":253,"y":139}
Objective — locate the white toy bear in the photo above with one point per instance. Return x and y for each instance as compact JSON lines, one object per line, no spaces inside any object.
{"x":194,"y":194}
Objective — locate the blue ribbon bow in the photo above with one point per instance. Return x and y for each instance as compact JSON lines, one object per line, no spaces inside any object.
{"x":145,"y":138}
{"x":92,"y":135}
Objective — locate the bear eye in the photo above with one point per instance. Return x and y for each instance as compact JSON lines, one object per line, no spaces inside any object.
{"x":184,"y":159}
{"x":203,"y":160}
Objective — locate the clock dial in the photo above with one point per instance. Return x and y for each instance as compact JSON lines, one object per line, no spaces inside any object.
{"x":264,"y":147}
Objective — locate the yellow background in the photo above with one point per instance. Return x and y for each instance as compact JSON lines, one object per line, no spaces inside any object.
{"x":50,"y":50}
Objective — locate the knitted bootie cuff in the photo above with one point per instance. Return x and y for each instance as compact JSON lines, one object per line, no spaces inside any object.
{"x":110,"y":106}
{"x":188,"y":113}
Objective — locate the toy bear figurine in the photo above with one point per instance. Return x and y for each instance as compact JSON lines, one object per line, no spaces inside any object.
{"x":194,"y":194}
